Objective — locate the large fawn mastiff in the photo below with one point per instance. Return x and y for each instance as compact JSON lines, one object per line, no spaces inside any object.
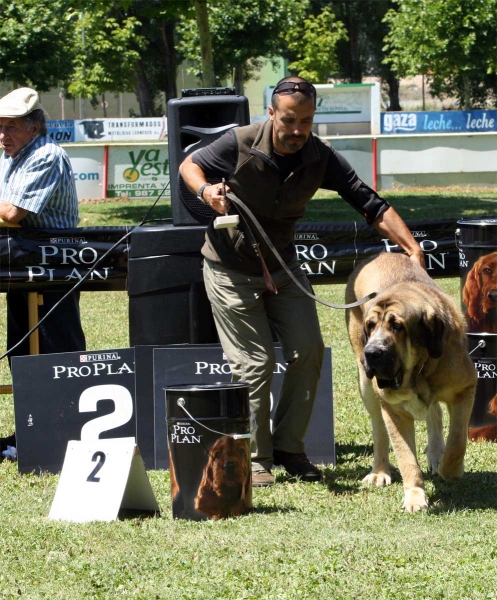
{"x":410,"y":346}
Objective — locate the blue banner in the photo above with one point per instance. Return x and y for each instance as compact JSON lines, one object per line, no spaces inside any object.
{"x":61,"y":131}
{"x":447,"y":121}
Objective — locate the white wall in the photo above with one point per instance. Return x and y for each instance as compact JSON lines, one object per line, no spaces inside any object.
{"x":402,"y":160}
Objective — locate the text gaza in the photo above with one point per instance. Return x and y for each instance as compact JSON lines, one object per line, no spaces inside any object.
{"x":90,"y":370}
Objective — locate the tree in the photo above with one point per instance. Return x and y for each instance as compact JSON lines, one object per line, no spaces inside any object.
{"x":242,"y":31}
{"x":156,"y":70}
{"x":107,"y":50}
{"x":314,"y":45}
{"x":452,"y":42}
{"x":36,"y":42}
{"x":202,"y":14}
{"x":360,"y":53}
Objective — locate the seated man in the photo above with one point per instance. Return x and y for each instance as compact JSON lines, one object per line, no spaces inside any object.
{"x":37,"y":190}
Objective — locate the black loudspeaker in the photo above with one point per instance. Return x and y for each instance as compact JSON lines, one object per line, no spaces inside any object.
{"x":194,"y":121}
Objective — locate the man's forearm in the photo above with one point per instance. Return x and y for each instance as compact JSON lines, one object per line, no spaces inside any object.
{"x":11,"y":214}
{"x":392,"y":226}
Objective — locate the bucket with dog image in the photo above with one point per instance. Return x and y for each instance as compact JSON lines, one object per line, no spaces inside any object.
{"x":209,"y":450}
{"x":477,"y":243}
{"x":482,"y":348}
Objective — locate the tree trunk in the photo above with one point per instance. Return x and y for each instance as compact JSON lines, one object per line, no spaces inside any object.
{"x":355,"y":73}
{"x":467,"y":93}
{"x":393,"y":92}
{"x":238,"y":83}
{"x":143,"y":94}
{"x":170,"y":63}
{"x":208,"y":78}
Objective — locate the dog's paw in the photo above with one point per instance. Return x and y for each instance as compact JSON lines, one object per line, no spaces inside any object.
{"x":415,"y":500}
{"x":379,"y":479}
{"x":434,"y":453}
{"x":451,"y":469}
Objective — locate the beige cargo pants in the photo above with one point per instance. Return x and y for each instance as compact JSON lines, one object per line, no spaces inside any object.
{"x":243,"y":310}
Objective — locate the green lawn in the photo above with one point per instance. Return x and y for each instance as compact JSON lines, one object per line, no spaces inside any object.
{"x":340,"y":540}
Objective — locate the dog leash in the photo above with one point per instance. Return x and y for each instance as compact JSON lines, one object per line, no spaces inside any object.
{"x":236,"y":436}
{"x":247,"y":212}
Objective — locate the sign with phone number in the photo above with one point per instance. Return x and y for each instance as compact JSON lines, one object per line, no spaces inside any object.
{"x":138,"y":171}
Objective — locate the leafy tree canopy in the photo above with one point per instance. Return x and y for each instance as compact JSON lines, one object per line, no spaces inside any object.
{"x":314,"y":44}
{"x":241,"y":32}
{"x":108,"y":47}
{"x":36,"y":42}
{"x":452,"y":42}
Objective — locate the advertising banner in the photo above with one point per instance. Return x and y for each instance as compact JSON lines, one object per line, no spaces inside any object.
{"x":70,"y":396}
{"x":207,"y":364}
{"x":344,"y":103}
{"x":35,"y":259}
{"x":88,"y":168}
{"x":448,"y":121}
{"x":57,"y":259}
{"x":138,"y":171}
{"x":120,"y":130}
{"x":61,"y":131}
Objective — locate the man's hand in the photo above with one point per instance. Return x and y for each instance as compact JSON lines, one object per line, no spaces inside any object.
{"x":215,"y":198}
{"x":390,"y":225}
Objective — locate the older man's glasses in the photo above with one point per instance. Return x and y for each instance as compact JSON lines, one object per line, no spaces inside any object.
{"x":291,"y":87}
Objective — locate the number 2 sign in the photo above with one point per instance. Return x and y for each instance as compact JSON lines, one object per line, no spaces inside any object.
{"x":98,"y":478}
{"x":85,"y":396}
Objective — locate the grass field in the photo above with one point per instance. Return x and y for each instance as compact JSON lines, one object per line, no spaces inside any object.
{"x":337,"y":540}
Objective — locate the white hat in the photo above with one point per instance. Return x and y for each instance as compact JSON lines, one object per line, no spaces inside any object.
{"x":19,"y":103}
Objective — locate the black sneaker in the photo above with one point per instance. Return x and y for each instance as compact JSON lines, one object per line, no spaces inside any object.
{"x":297,"y":465}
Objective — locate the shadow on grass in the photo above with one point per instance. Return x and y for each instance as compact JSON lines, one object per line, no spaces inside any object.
{"x":475,"y":490}
{"x":354,"y":462}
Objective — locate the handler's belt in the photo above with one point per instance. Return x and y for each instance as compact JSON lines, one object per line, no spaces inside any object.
{"x":246,"y":212}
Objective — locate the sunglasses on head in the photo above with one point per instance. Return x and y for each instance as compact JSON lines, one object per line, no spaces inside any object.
{"x":291,"y":87}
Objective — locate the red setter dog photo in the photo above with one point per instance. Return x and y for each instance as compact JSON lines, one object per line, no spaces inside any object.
{"x":480,"y":295}
{"x":486,"y":432}
{"x":226,"y":486}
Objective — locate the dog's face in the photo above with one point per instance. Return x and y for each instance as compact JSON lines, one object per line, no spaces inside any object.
{"x":480,"y":292}
{"x":396,"y":334}
{"x":228,"y":462}
{"x":486,"y":271}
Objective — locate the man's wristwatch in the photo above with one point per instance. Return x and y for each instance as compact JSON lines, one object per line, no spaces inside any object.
{"x":201,"y":191}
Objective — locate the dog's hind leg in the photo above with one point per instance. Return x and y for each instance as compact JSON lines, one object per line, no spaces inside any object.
{"x":452,"y":463}
{"x":400,"y":426}
{"x":436,"y":444}
{"x":380,"y":474}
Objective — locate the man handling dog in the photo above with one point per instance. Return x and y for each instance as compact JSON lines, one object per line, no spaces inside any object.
{"x":37,"y":190}
{"x":275,"y":168}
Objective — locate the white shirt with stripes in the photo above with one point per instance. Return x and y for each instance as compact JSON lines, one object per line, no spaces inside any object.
{"x":40,"y":179}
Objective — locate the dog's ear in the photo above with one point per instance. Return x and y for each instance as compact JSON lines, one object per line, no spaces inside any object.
{"x":429,"y":333}
{"x":471,"y":294}
{"x":364,"y":335}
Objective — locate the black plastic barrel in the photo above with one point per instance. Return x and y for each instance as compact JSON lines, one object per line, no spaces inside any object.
{"x":483,"y":351}
{"x":477,"y":243}
{"x":209,"y":450}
